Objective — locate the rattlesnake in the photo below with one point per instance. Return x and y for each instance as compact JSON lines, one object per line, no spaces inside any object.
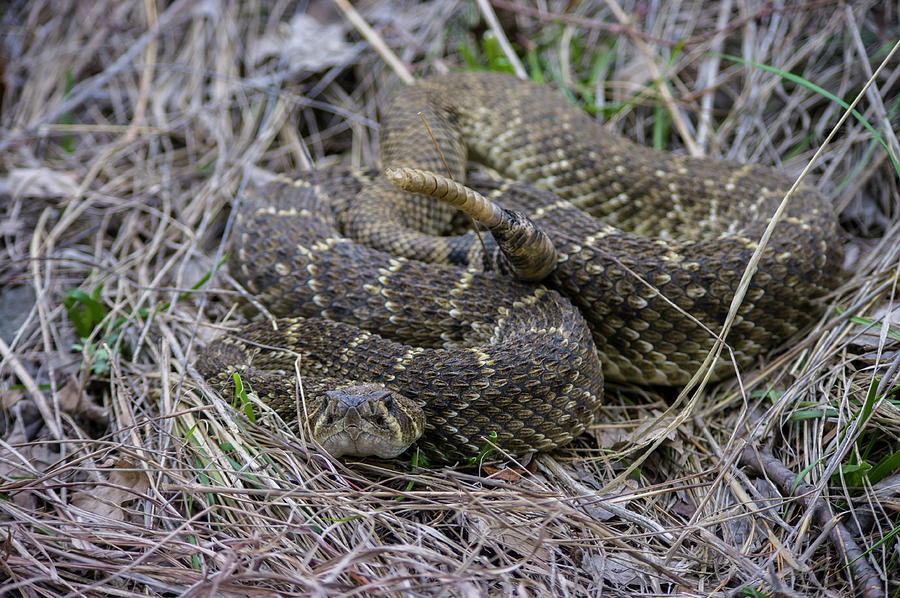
{"x":650,"y":248}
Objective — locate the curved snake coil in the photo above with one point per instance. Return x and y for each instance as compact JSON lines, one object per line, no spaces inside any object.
{"x":381,"y":290}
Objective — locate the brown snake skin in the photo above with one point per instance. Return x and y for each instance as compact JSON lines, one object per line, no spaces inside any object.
{"x":643,"y":238}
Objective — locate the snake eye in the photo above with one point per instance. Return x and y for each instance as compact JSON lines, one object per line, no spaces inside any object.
{"x":388,"y":402}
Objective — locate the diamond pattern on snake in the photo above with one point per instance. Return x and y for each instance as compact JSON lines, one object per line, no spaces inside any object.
{"x":601,"y":259}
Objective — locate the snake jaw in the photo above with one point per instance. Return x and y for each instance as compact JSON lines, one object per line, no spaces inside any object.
{"x":367,"y":420}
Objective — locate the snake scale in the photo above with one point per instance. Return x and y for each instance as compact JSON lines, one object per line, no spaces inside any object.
{"x":400,"y":323}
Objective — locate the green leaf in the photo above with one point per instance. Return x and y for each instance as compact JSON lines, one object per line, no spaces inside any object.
{"x":767,"y":392}
{"x":661,"y":127}
{"x":885,"y":467}
{"x":419,"y":461}
{"x":241,"y":400}
{"x":485,"y":451}
{"x":805,"y":414}
{"x":469,"y":56}
{"x":86,"y":312}
{"x":496,"y":58}
{"x":869,"y":323}
{"x":854,"y":474}
{"x":799,"y":479}
{"x":97,"y":355}
{"x":534,"y":66}
{"x":867,"y":407}
{"x":190,"y":432}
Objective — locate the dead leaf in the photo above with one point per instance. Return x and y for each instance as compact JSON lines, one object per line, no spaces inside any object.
{"x":73,"y":400}
{"x":304,"y":44}
{"x":683,"y":506}
{"x":617,"y":569}
{"x":8,"y":398}
{"x":609,"y":434}
{"x":523,"y":538}
{"x":23,"y":459}
{"x":650,"y":429}
{"x":507,"y":474}
{"x":40,"y":183}
{"x":16,"y":302}
{"x":107,"y":501}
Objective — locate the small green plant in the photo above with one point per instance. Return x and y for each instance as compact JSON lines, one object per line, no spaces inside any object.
{"x":858,"y":471}
{"x":489,"y":56}
{"x":767,"y":392}
{"x":97,"y":355}
{"x":486,"y":450}
{"x":812,"y":412}
{"x":418,"y":461}
{"x":87,"y":313}
{"x":241,"y":400}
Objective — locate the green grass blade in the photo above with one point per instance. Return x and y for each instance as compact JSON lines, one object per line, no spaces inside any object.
{"x":823,"y":92}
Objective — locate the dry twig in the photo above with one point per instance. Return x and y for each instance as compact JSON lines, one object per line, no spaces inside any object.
{"x":762,"y":463}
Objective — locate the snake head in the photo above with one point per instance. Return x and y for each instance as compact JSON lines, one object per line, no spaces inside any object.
{"x":366,"y":420}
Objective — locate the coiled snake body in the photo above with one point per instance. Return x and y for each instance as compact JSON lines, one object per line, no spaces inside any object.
{"x":380,"y":301}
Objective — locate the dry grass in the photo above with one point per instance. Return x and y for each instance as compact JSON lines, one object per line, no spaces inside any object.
{"x":126,"y":134}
